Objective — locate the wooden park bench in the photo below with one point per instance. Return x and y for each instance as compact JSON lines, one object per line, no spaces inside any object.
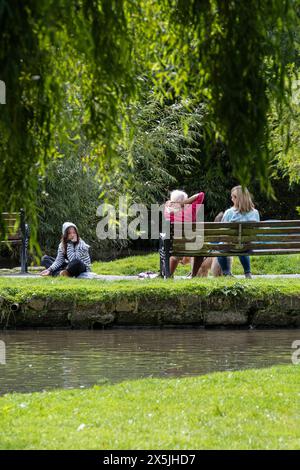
{"x":16,"y":232}
{"x":232,"y":239}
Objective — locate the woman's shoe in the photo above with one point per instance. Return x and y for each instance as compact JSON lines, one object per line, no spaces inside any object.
{"x":248,"y":275}
{"x":64,"y":272}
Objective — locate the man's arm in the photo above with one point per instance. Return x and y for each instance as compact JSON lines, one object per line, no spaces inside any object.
{"x":196,"y":198}
{"x":190,"y":199}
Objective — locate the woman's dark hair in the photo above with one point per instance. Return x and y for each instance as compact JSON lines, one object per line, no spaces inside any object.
{"x":64,"y":238}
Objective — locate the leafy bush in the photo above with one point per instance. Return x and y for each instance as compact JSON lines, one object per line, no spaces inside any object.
{"x":71,"y":192}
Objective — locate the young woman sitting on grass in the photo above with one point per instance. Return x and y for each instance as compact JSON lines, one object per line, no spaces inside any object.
{"x":72,"y":257}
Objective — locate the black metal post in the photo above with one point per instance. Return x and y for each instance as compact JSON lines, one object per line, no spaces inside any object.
{"x":25,"y":238}
{"x":167,"y":258}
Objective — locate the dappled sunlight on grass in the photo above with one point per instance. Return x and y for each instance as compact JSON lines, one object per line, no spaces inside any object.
{"x":253,"y":409}
{"x":132,"y":265}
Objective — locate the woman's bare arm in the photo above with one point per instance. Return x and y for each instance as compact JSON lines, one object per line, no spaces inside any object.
{"x":191,"y":199}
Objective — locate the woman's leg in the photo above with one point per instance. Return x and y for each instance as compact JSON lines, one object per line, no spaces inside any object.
{"x":205,"y":267}
{"x":225,"y":265}
{"x":197,"y":262}
{"x":46,"y":261}
{"x":174,"y":261}
{"x":76,"y":267}
{"x":245,"y":261}
{"x":216,"y":268}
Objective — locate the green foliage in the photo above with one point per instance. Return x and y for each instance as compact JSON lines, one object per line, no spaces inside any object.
{"x":284,"y":203}
{"x":44,"y":46}
{"x":231,"y":54}
{"x":70,"y":191}
{"x":172,"y":148}
{"x":164,"y":150}
{"x":287,"y":154}
{"x":254,"y":409}
{"x":236,"y":290}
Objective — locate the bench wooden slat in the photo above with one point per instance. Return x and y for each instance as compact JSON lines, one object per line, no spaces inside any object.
{"x":14,"y":236}
{"x":216,"y":233}
{"x":245,"y":239}
{"x":263,"y":224}
{"x":271,"y":237}
{"x":11,"y":223}
{"x":219,"y":231}
{"x":259,"y":241}
{"x":251,"y":232}
{"x":260,"y":245}
{"x":255,"y":237}
{"x":179,"y":244}
{"x":235,"y":229}
{"x":234,"y":241}
{"x":12,"y":229}
{"x":268,"y":231}
{"x":210,"y":254}
{"x":231,"y":225}
{"x":15,"y":214}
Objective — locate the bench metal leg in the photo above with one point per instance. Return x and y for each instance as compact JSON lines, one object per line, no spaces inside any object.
{"x":164,"y":257}
{"x":161,"y":265}
{"x":161,"y":257}
{"x":167,"y":259}
{"x":25,"y":242}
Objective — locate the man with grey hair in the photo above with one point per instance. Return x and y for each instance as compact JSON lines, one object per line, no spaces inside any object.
{"x":181,"y":208}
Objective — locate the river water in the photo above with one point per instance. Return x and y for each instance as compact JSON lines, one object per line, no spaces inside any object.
{"x":48,"y":359}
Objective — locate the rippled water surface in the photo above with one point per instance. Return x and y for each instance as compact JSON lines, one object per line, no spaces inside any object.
{"x":43,"y":360}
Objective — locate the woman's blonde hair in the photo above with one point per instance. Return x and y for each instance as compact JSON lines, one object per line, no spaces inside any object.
{"x":244,"y":202}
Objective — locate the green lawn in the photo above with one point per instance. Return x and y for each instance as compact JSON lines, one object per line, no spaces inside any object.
{"x":254,"y":409}
{"x":20,"y":289}
{"x":279,"y":264}
{"x":133,"y":265}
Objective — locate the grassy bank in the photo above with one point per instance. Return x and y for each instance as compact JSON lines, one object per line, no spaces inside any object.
{"x":19,"y":289}
{"x":283,"y":264}
{"x":74,"y":303}
{"x":254,"y":409}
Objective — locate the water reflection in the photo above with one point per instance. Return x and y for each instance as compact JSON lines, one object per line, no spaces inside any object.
{"x":43,"y":360}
